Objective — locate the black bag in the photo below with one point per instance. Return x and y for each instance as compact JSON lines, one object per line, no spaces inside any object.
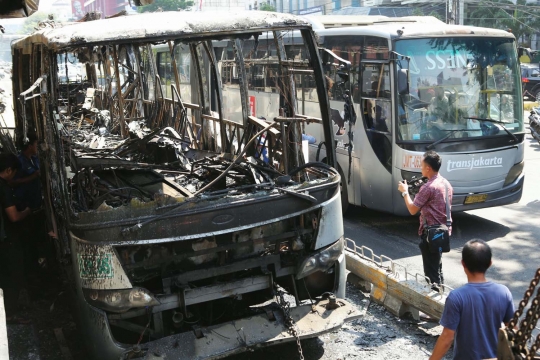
{"x":438,"y":236}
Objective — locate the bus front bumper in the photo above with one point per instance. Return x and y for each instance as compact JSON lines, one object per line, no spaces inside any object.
{"x":507,"y":195}
{"x":237,"y":336}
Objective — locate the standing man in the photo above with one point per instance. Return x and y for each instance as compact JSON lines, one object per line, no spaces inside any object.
{"x":12,"y":253}
{"x":27,"y":182}
{"x":27,"y":186}
{"x":474,"y":313}
{"x":431,"y":203}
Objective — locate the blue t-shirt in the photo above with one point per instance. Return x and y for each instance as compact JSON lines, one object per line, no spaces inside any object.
{"x":475,"y":312}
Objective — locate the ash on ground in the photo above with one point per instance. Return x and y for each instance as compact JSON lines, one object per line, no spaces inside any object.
{"x":378,"y":335}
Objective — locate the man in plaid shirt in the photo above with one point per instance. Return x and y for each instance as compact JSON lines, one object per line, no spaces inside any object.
{"x":431,"y":203}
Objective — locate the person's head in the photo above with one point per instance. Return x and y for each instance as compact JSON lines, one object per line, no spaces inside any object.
{"x":30,"y":148}
{"x":476,"y":256}
{"x":9,"y":164}
{"x":378,"y":111}
{"x":431,"y":163}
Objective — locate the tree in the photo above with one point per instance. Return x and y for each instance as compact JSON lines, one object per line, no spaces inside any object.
{"x":31,"y":23}
{"x":266,"y":7}
{"x":166,"y":5}
{"x":436,"y":10}
{"x":521,"y":18}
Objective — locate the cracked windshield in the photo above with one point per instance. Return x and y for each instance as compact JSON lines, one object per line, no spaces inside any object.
{"x":459,"y":88}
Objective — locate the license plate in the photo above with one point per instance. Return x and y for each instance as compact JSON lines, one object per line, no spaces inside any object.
{"x":95,"y":266}
{"x":471,"y":199}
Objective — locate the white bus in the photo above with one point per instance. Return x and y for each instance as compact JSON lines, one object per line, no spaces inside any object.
{"x":419,"y":84}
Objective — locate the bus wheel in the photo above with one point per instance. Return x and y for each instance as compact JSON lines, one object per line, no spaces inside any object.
{"x":344,"y":190}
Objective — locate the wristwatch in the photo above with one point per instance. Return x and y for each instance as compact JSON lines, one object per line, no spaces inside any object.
{"x":403,"y":194}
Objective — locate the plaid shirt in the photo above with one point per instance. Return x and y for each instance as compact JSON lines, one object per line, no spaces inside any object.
{"x":431,"y":201}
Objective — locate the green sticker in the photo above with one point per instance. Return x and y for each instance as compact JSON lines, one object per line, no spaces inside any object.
{"x":95,"y":266}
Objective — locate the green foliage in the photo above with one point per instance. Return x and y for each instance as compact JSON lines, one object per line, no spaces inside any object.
{"x":521,"y":18}
{"x":427,"y":10}
{"x":266,"y":7}
{"x":166,"y":5}
{"x":30,"y":23}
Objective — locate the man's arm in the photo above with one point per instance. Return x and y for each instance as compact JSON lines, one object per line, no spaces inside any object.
{"x":443,"y":344}
{"x":413,"y":209}
{"x":15,"y":215}
{"x":403,"y":188}
{"x":25,"y":180}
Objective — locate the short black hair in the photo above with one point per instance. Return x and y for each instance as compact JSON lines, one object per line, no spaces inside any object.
{"x":9,"y":161}
{"x":433,"y":160}
{"x":476,"y":256}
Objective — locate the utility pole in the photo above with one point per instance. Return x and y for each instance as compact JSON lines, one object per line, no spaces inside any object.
{"x":451,"y":12}
{"x":455,"y":12}
{"x":461,"y":8}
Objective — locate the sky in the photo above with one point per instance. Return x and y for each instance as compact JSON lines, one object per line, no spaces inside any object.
{"x":44,"y":5}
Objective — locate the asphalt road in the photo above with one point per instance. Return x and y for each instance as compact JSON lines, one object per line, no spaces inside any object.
{"x":512,"y":231}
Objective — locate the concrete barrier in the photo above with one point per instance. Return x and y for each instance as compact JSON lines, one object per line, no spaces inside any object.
{"x":391,"y":284}
{"x":4,"y":351}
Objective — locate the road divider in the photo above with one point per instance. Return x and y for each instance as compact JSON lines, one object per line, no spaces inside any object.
{"x":4,"y":351}
{"x":391,"y":284}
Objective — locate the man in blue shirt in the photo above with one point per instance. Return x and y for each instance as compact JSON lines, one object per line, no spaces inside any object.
{"x":474,"y":312}
{"x":27,"y":183}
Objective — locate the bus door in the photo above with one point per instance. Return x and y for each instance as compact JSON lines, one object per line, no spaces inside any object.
{"x":376,"y":114}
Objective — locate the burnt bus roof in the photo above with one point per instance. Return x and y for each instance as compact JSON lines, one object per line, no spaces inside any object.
{"x":160,"y":26}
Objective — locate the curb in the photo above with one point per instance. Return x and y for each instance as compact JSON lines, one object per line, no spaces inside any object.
{"x":391,"y":285}
{"x":4,"y":350}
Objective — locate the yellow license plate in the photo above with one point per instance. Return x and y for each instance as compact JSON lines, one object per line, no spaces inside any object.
{"x":471,"y":199}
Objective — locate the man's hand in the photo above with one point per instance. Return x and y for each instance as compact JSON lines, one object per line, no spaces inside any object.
{"x":403,"y":187}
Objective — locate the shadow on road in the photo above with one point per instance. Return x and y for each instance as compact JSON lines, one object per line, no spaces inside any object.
{"x":311,"y":348}
{"x":405,"y":228}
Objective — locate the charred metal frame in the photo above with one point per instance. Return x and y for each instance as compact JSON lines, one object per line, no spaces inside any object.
{"x":139,"y":160}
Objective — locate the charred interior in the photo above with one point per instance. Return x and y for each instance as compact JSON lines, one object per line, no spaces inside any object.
{"x":167,"y":186}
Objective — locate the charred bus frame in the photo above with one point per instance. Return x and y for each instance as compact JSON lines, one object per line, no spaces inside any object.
{"x":177,"y":230}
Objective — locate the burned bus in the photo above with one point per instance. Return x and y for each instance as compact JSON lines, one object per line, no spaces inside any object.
{"x":188,"y":232}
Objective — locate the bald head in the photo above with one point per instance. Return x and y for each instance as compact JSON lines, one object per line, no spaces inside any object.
{"x":476,"y":256}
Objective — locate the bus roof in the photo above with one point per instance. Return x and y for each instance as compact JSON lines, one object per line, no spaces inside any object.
{"x":396,"y":27}
{"x":338,"y":21}
{"x":160,"y":26}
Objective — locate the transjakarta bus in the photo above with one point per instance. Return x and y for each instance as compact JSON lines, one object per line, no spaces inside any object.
{"x":419,"y":84}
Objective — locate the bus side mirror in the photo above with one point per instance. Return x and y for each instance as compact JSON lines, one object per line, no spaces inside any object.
{"x":520,"y":52}
{"x":403,"y":81}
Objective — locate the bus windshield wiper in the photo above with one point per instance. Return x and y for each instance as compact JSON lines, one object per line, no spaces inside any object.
{"x":435,"y":143}
{"x":495,"y":122}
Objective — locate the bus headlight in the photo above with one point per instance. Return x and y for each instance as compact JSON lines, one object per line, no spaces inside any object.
{"x":514,"y":172}
{"x":119,"y":300}
{"x":320,"y":261}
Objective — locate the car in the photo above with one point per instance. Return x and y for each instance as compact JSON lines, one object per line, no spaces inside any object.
{"x":530,"y":79}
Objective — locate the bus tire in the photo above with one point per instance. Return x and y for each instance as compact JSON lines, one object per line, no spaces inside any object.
{"x":343,"y":189}
{"x":536,"y":94}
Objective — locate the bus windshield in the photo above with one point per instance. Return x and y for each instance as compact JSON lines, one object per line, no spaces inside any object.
{"x":454,"y":83}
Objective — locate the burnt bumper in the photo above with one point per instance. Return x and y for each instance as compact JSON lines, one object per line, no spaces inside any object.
{"x":248,"y":333}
